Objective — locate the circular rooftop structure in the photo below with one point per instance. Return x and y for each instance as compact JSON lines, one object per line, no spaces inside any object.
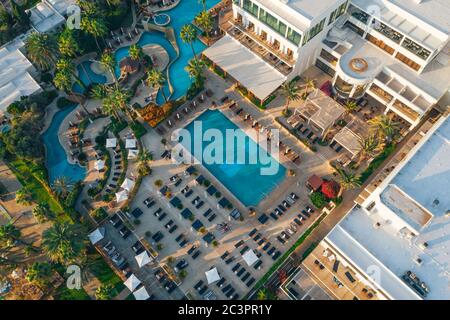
{"x":358,"y":65}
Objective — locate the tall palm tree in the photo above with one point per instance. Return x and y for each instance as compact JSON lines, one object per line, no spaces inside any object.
{"x":110,"y":108}
{"x":145,"y":156}
{"x":195,"y":70}
{"x":385,"y":126}
{"x":205,"y":21}
{"x":99,"y":92}
{"x":24,"y":196}
{"x":42,"y":212}
{"x":156,"y":79}
{"x":121,"y":97}
{"x":291,"y":92}
{"x":370,"y":147}
{"x":62,"y":186}
{"x":64,"y":243}
{"x":94,"y":26}
{"x":67,"y":67}
{"x":67,"y":44}
{"x":109,"y":61}
{"x":9,"y":234}
{"x":188,"y":34}
{"x":136,"y":52}
{"x":104,"y":292}
{"x":347,"y":181}
{"x":41,"y":49}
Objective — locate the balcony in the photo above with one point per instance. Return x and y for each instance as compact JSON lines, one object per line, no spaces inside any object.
{"x":386,"y":97}
{"x":418,"y":50}
{"x":389,"y":32}
{"x":268,"y":52}
{"x":407,"y":111}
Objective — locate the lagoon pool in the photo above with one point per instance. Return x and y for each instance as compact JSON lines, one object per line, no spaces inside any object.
{"x":244,"y":181}
{"x":183,"y":13}
{"x":87,"y":76}
{"x":56,"y":158}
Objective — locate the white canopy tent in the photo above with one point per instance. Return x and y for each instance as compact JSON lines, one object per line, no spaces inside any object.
{"x":212,"y":275}
{"x":121,"y":196}
{"x":132,"y":282}
{"x":97,"y":235}
{"x":132,"y":154}
{"x":128,"y":184}
{"x":141,"y":294}
{"x":99,"y":165}
{"x":111,"y":143}
{"x":250,"y":257}
{"x":130,"y":144}
{"x":143,"y":259}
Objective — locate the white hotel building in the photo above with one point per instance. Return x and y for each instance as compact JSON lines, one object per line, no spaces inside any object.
{"x":397,"y":51}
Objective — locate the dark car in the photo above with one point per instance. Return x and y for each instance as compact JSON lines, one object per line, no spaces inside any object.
{"x":298,"y":222}
{"x":169,"y":224}
{"x":191,"y":250}
{"x":173,"y":228}
{"x":196,"y":254}
{"x":158,"y":236}
{"x":137,"y":213}
{"x":125,"y":232}
{"x":274,"y":216}
{"x":263,"y":218}
{"x":170,"y":286}
{"x":182,"y":264}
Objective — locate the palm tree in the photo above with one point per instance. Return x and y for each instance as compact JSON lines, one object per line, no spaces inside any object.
{"x":205,"y":21}
{"x":136,"y":52}
{"x":62,"y":186}
{"x":109,"y":61}
{"x":110,"y":108}
{"x":67,"y":67}
{"x":94,"y":26}
{"x":24,"y":196}
{"x":67,"y":44}
{"x":41,"y":49}
{"x":121,"y":97}
{"x":42,"y":212}
{"x":195,"y":70}
{"x":385,"y":126}
{"x":292,"y":93}
{"x":99,"y":92}
{"x":310,"y":83}
{"x":350,"y":106}
{"x":64,"y":243}
{"x":156,"y":79}
{"x":9,"y":234}
{"x":347,"y":181}
{"x":188,"y":34}
{"x":104,"y":292}
{"x":370,"y":147}
{"x":145,"y":156}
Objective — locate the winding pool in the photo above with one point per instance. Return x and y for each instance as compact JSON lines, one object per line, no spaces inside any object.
{"x":56,"y":158}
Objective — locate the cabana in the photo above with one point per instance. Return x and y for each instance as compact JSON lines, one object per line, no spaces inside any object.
{"x":99,"y":165}
{"x":128,"y":184}
{"x":130,"y":144}
{"x":121,"y":196}
{"x":314,"y":182}
{"x":212,"y":275}
{"x":132,"y":282}
{"x":143,"y":259}
{"x":111,"y":143}
{"x":97,"y":235}
{"x":250,"y":257}
{"x":141,"y":294}
{"x":349,"y":137}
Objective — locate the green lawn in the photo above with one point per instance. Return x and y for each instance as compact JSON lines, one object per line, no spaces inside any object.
{"x":101,"y":270}
{"x":39,"y":192}
{"x":63,"y":293}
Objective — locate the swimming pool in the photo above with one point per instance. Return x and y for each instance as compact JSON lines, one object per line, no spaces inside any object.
{"x":244,"y":181}
{"x":87,"y":76}
{"x":182,"y":14}
{"x":56,"y":158}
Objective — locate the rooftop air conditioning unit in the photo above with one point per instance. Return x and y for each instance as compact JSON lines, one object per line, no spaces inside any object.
{"x":423,"y":245}
{"x":419,"y":261}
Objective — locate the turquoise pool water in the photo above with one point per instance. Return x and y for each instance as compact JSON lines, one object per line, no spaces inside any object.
{"x":245,"y":181}
{"x":56,"y":158}
{"x":183,"y":14}
{"x":87,"y":76}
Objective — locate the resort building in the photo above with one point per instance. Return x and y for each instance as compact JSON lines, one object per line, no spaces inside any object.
{"x":394,"y":50}
{"x":16,"y":75}
{"x":49,"y":15}
{"x":396,"y":243}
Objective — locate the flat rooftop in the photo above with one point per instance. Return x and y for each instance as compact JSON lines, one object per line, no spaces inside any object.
{"x":44,"y":18}
{"x":432,"y":12}
{"x":434,"y":79}
{"x":244,"y":66}
{"x":374,"y":238}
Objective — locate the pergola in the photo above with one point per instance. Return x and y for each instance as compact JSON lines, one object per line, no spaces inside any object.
{"x":320,"y":111}
{"x":248,"y":70}
{"x":349,"y":136}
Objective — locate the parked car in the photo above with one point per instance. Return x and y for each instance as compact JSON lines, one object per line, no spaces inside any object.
{"x":158,"y":236}
{"x":137,"y":213}
{"x":182,"y":264}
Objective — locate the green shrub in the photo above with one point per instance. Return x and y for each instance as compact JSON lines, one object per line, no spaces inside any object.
{"x":63,"y":103}
{"x":318,"y":199}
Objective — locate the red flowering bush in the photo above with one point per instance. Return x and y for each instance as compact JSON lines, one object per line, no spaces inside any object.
{"x":330,"y":189}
